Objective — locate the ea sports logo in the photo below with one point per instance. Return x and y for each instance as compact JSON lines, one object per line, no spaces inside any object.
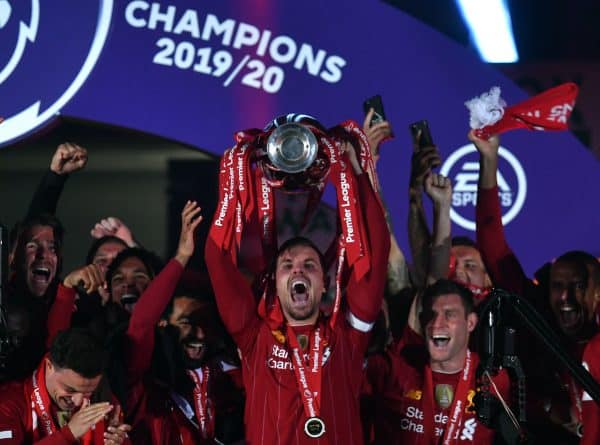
{"x":47,"y":51}
{"x":462,"y":167}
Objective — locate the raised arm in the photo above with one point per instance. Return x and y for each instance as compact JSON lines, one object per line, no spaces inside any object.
{"x":439,"y":189}
{"x":156,"y":297}
{"x":68,"y":158}
{"x":502,"y":264}
{"x":419,"y":237}
{"x":397,"y":269}
{"x":365,"y":297}
{"x":87,"y":278}
{"x":112,"y":226}
{"x":235,"y":300}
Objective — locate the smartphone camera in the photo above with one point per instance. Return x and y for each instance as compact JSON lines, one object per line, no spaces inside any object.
{"x":376,"y":103}
{"x":421,"y":134}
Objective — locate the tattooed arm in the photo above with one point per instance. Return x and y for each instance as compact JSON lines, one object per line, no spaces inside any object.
{"x":397,"y":269}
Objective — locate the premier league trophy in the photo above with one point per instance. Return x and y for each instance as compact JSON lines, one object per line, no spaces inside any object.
{"x":293,"y":153}
{"x":292,"y":158}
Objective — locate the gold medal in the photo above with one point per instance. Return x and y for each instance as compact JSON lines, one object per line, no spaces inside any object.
{"x":314,"y":427}
{"x":303,"y":341}
{"x":444,"y":394}
{"x":63,"y":417}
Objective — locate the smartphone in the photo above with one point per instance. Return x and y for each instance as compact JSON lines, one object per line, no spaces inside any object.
{"x":376,"y":103}
{"x":421,"y":134}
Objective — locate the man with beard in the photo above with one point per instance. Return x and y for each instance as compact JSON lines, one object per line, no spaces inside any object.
{"x":572,"y":296}
{"x":574,"y":293}
{"x":30,"y":334}
{"x":129,"y":275}
{"x":54,"y":405}
{"x":186,"y":398}
{"x":37,"y":258}
{"x":34,"y":285}
{"x":424,"y":394}
{"x":35,"y":255}
{"x":302,"y":373}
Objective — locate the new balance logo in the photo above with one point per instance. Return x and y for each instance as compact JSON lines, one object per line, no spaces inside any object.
{"x":468,"y":431}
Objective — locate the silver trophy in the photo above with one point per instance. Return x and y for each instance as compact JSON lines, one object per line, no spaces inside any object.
{"x":292,"y":148}
{"x":294,"y":159}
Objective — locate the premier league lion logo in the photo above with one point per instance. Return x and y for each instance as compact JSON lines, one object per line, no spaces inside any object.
{"x":47,"y":51}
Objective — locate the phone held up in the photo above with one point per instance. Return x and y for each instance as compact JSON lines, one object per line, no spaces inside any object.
{"x":376,"y":103}
{"x":421,"y":134}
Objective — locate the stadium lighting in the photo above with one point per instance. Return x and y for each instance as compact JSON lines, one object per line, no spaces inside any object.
{"x":491,"y":29}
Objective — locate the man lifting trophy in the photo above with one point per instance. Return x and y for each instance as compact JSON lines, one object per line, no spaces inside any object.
{"x":302,"y":368}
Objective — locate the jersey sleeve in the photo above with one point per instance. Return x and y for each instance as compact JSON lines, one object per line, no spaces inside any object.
{"x":235,"y":300}
{"x":365,"y":296}
{"x":504,"y":268}
{"x":145,"y":317}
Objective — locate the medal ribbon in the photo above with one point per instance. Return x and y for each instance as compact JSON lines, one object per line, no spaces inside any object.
{"x":338,"y":284}
{"x":457,"y":408}
{"x":245,"y":203}
{"x":201,"y":408}
{"x":222,"y":229}
{"x":40,"y":401}
{"x":366,"y":160}
{"x":266,"y":214}
{"x":308,"y":377}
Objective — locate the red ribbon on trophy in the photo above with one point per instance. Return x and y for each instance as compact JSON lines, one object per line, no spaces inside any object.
{"x":294,"y":153}
{"x":547,"y":111}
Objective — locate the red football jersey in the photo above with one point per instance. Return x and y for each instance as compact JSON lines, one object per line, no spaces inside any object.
{"x":398,"y":380}
{"x":590,"y":408}
{"x":274,"y":411}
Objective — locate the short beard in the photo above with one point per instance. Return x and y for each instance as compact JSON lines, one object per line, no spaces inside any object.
{"x":302,"y":316}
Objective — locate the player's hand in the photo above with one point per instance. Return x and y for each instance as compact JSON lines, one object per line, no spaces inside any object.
{"x":88,"y":416}
{"x":113,"y":226}
{"x":68,"y":158}
{"x":90,"y":277}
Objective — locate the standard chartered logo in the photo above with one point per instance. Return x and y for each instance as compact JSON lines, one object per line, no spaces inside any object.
{"x":462,"y":167}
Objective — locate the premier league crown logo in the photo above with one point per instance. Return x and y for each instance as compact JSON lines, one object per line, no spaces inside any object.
{"x":47,"y":51}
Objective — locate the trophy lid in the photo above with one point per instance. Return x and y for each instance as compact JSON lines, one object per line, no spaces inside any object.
{"x":292,"y":147}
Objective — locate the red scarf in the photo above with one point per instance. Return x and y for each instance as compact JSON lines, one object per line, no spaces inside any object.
{"x":41,"y":422}
{"x":308,"y":374}
{"x":549,"y":110}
